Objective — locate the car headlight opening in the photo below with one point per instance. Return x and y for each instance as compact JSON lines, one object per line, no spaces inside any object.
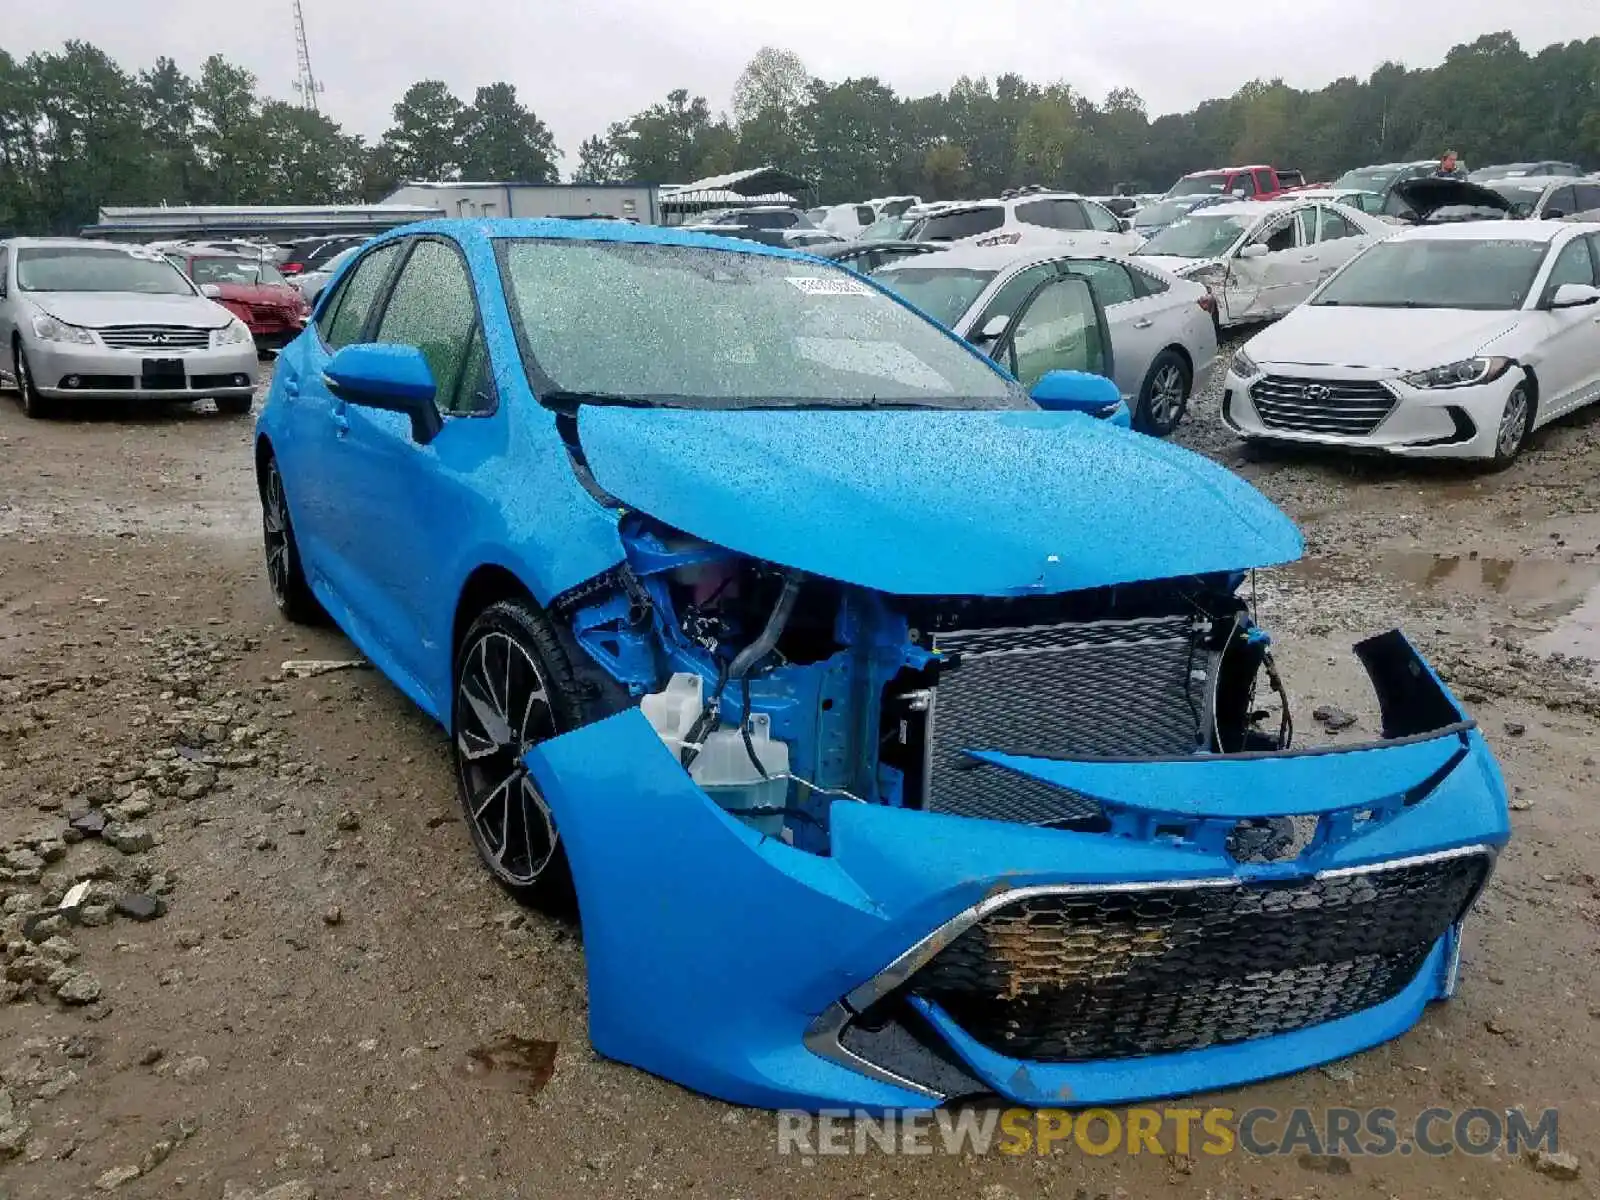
{"x":1243,"y":365}
{"x":52,"y":330}
{"x":1466,"y":373}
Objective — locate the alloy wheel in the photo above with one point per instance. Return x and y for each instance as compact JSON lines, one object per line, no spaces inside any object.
{"x":1167,"y":396}
{"x":275,"y":534}
{"x":1513,"y":424}
{"x":503,"y":709}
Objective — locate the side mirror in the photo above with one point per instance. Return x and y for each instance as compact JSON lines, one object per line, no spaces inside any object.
{"x":1254,"y":250}
{"x":210,"y":290}
{"x":1076,"y":391}
{"x":992,"y":328}
{"x":391,"y":378}
{"x":1126,"y":223}
{"x":1573,"y":295}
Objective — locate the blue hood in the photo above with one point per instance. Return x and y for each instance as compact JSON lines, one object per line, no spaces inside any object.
{"x":919,"y":502}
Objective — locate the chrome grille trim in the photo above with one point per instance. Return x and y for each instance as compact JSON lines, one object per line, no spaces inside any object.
{"x":155,"y":338}
{"x":1343,"y":407}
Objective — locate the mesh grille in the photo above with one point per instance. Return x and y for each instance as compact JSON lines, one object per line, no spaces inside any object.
{"x":1348,"y":407}
{"x":1119,"y":688}
{"x":1104,"y":975}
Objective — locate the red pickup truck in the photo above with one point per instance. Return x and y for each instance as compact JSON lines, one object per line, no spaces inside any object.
{"x":1254,"y":182}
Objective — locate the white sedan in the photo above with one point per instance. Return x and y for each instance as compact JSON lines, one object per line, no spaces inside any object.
{"x":1261,"y":258}
{"x":1162,"y":335}
{"x":1445,"y":341}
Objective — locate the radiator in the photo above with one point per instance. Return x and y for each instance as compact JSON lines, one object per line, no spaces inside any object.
{"x":1102,"y":688}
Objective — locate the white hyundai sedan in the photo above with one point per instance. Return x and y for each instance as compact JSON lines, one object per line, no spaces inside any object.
{"x":1445,"y":341}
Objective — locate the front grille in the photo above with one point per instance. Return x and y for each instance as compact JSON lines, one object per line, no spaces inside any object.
{"x":155,"y":337}
{"x":1346,"y":407}
{"x":1119,"y":688}
{"x":1158,"y":970}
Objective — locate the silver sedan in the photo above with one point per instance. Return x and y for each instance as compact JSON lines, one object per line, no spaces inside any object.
{"x":84,"y":320}
{"x":1162,"y":328}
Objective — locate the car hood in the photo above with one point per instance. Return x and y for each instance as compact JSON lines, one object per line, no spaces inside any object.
{"x":97,"y":309}
{"x":1401,"y":339}
{"x":920,"y":502}
{"x":1428,"y":193}
{"x":282,"y":295}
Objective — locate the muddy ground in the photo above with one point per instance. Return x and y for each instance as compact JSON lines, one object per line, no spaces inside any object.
{"x":337,"y":1002}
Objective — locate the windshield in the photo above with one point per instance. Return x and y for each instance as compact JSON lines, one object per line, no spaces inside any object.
{"x":944,"y":293}
{"x":692,"y":327}
{"x":1367,"y":179}
{"x":88,"y":269}
{"x":1203,"y":235}
{"x":1215,"y":184}
{"x":233,"y":270}
{"x":1521,"y":196}
{"x":887,"y":229}
{"x":1438,"y":273}
{"x":966,"y":222}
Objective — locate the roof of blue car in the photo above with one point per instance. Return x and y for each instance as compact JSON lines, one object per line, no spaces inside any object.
{"x":466,"y":229}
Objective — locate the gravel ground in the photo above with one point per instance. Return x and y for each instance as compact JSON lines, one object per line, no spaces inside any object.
{"x":290,"y":979}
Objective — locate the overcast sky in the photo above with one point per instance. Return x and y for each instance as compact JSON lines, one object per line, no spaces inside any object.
{"x":583,"y":64}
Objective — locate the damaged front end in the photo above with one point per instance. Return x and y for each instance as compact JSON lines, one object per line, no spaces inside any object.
{"x":861,"y":848}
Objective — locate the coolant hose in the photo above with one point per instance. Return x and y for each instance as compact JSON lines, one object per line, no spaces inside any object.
{"x":752,"y":654}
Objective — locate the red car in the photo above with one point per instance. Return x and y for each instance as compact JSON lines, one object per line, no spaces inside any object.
{"x":252,"y":290}
{"x":1255,"y":182}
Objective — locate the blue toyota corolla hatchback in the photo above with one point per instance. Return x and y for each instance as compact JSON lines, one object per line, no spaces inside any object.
{"x":903,"y":737}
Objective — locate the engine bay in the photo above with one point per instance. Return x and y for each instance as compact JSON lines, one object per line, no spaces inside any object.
{"x":781,"y":692}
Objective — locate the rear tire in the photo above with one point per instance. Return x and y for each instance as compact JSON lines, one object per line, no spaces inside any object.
{"x":1164,"y":395}
{"x":514,"y":688}
{"x":34,"y":405}
{"x":285,"y":574}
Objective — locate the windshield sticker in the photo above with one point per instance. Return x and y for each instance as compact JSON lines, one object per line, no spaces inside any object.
{"x":813,"y":285}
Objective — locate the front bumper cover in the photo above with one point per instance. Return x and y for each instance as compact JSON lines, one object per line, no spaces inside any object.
{"x":743,"y":968}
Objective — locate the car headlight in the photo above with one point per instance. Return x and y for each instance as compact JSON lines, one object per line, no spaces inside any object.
{"x":1243,"y":365}
{"x":231,"y":334}
{"x":52,"y":330}
{"x":1466,"y":373}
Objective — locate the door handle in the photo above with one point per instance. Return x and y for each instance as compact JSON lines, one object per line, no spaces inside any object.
{"x":1143,"y":324}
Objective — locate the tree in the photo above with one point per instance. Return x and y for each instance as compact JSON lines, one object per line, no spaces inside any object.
{"x":944,"y":171}
{"x":1049,"y":136}
{"x":775,"y":83}
{"x":90,"y":137}
{"x":425,"y":140}
{"x":599,"y":161}
{"x":228,"y":136}
{"x":668,"y":142}
{"x":166,"y":97}
{"x":505,"y":142}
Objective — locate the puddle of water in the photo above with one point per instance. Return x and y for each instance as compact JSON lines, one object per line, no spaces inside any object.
{"x":511,"y":1064}
{"x":1543,"y":589}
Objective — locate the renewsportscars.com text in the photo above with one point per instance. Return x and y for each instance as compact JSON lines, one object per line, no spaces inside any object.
{"x":1099,"y":1132}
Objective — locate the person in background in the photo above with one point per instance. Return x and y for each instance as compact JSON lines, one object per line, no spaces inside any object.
{"x":1447,"y":164}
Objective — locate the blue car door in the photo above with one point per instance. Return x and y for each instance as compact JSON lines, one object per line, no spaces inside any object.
{"x":315,"y":490}
{"x":405,"y":507}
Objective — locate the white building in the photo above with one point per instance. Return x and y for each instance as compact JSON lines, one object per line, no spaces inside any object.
{"x":639,"y":202}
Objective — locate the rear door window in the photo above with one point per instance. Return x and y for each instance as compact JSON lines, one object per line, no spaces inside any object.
{"x":1586,"y":197}
{"x":1110,"y":280}
{"x":345,"y":315}
{"x":947,"y":227}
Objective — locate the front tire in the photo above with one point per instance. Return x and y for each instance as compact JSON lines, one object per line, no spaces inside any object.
{"x":1164,"y":395}
{"x":1516,"y":424}
{"x":34,"y":405}
{"x":514,"y":688}
{"x":234,"y":406}
{"x":285,"y":573}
